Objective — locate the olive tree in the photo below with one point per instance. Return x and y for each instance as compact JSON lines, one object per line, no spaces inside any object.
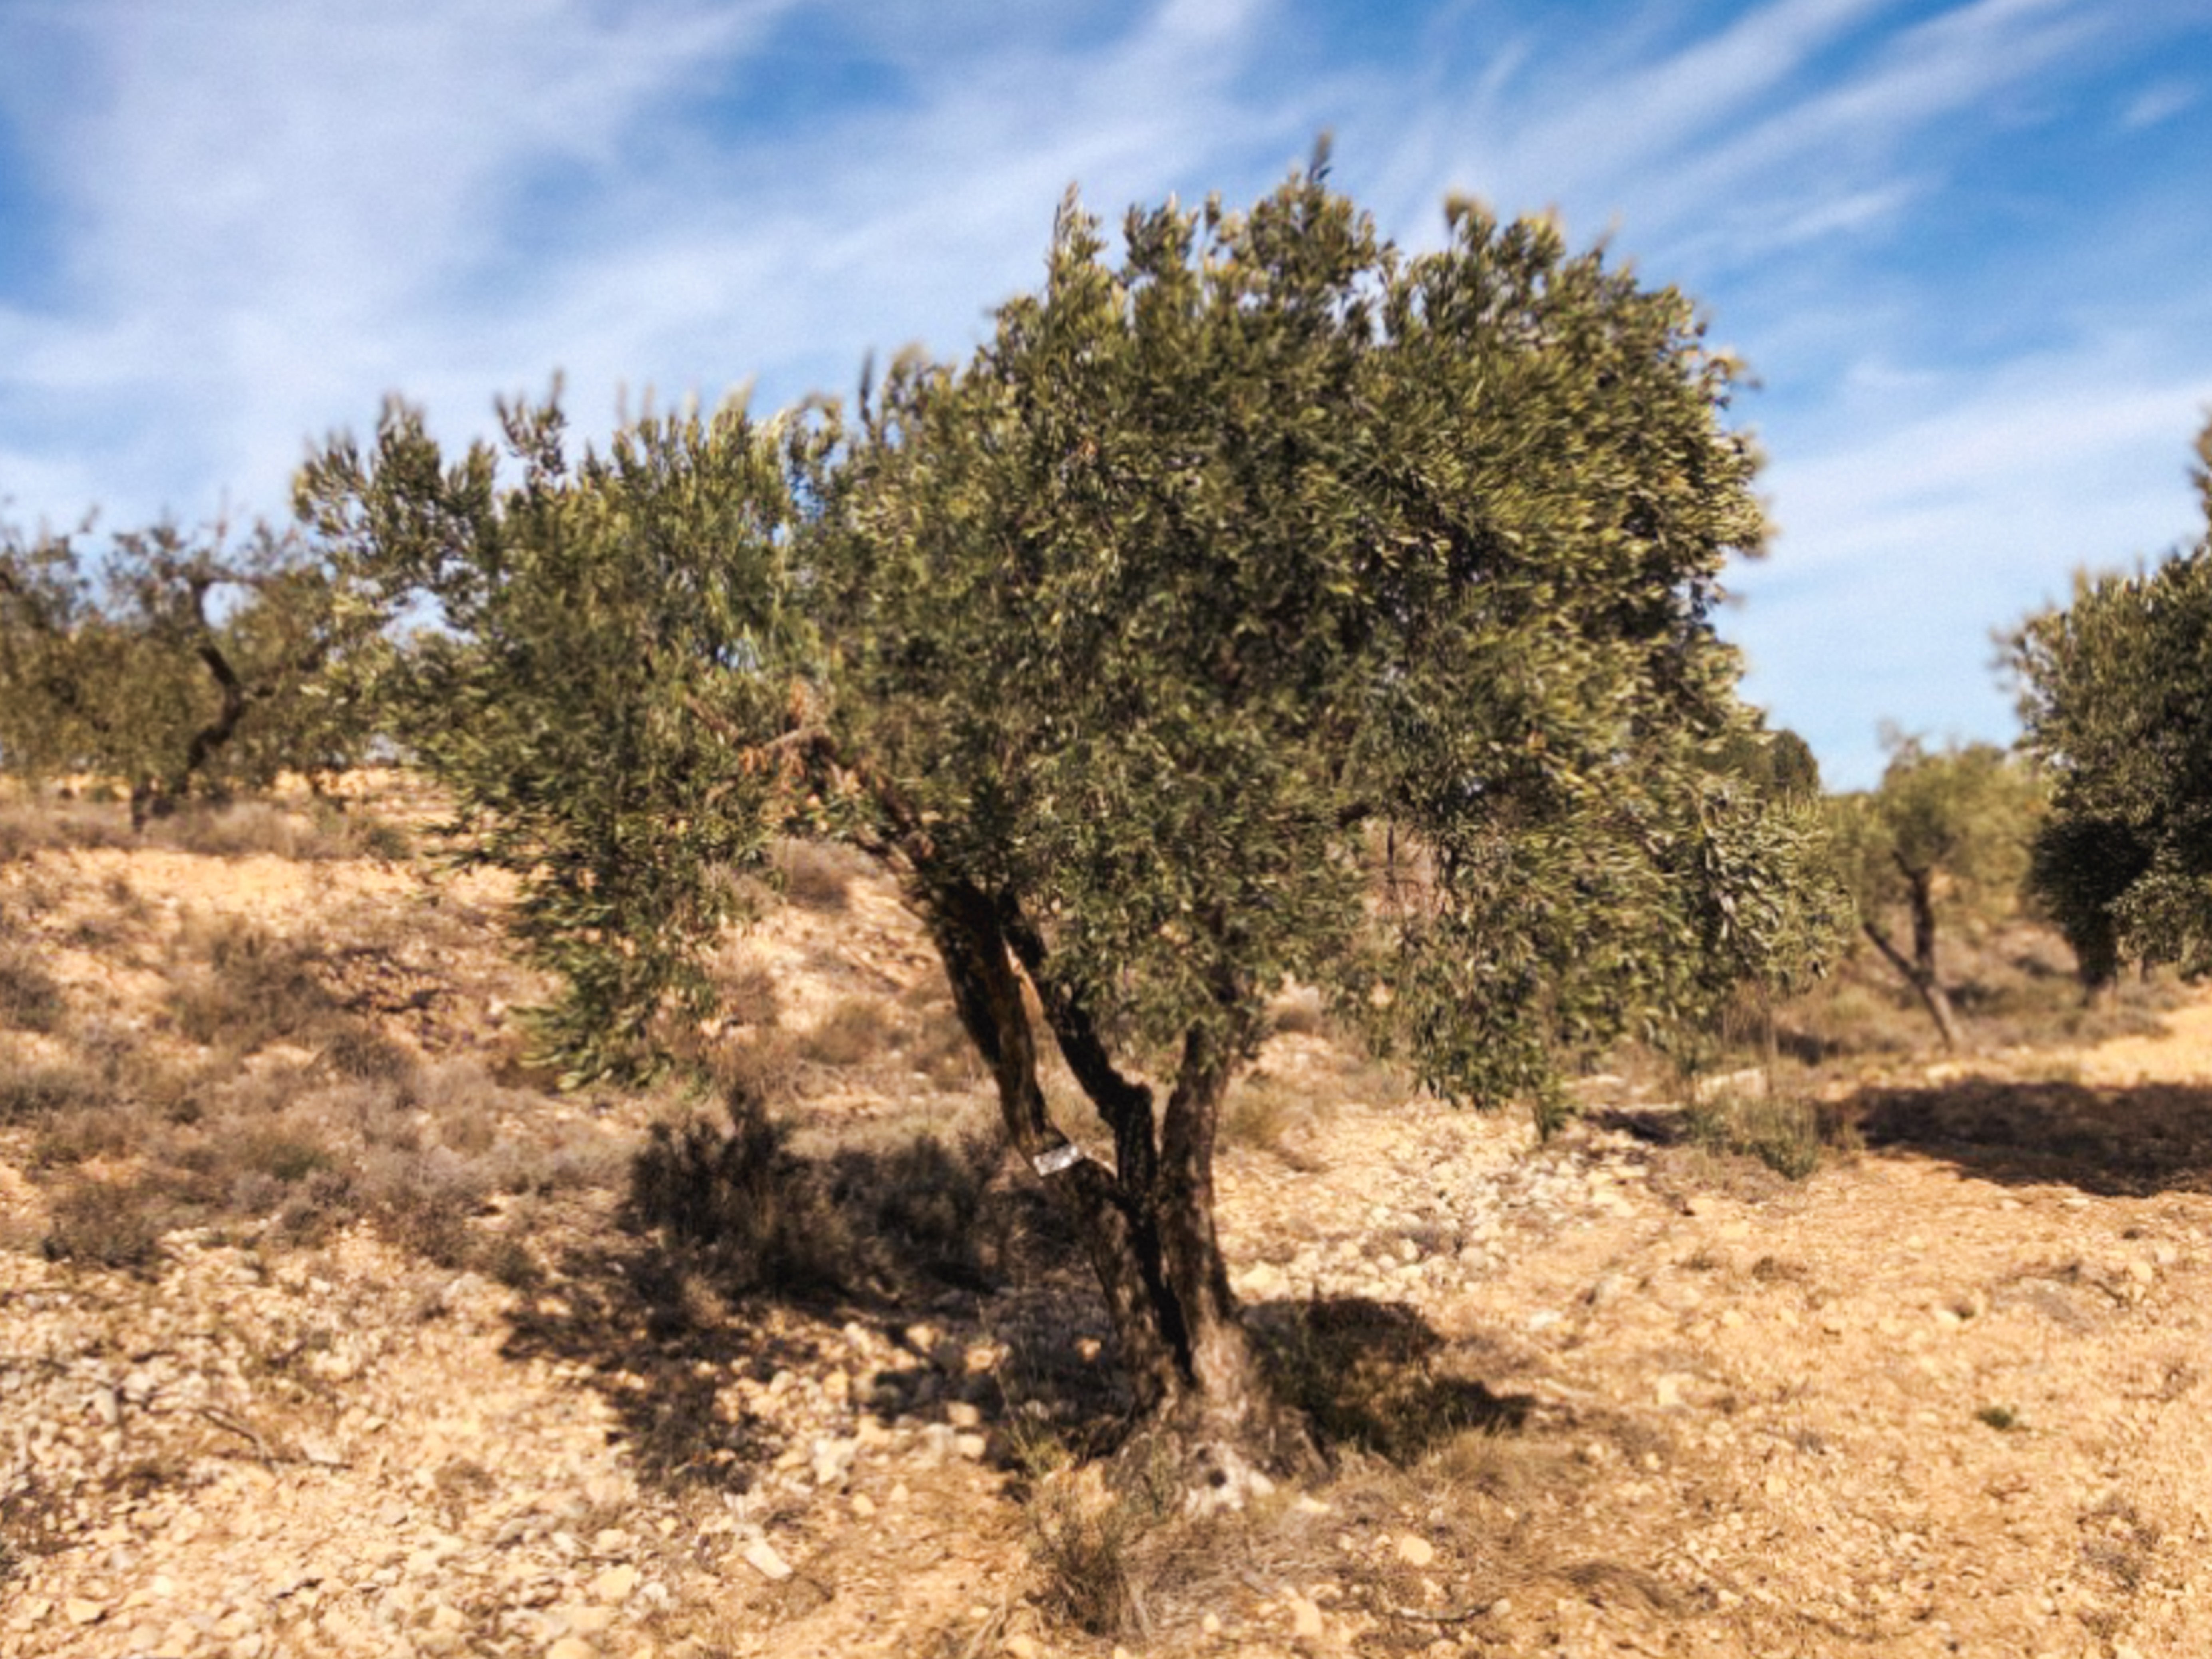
{"x":1946,"y":836}
{"x":1263,"y":605}
{"x":172,"y":662}
{"x":2117,"y":703}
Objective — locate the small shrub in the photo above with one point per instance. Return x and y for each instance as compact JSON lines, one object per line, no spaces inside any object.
{"x":1363,"y":1374}
{"x":80,"y":1134}
{"x":286,"y":1156}
{"x":378,"y":838}
{"x":356,"y":1050}
{"x":248,"y":990}
{"x":749,"y":995}
{"x":110,"y":1224}
{"x":1299,"y":1013}
{"x":30,"y":997}
{"x":2003,"y":1418}
{"x":755,"y":1213}
{"x":921,"y":1204}
{"x":740,"y":1201}
{"x":1789,"y":1137}
{"x":30,"y":1093}
{"x":1261,"y":1110}
{"x":819,"y":875}
{"x":1080,"y":1541}
{"x":48,"y":823}
{"x":938,"y":1045}
{"x":764,"y":1066}
{"x":857,"y":1031}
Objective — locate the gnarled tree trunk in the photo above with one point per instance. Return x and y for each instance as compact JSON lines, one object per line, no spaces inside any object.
{"x":1146,"y":1224}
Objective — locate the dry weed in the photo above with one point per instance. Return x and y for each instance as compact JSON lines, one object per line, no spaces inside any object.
{"x":819,"y":875}
{"x":37,"y":1091}
{"x":30,"y":997}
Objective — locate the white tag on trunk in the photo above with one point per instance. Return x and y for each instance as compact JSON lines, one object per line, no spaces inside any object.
{"x":1066,"y":1156}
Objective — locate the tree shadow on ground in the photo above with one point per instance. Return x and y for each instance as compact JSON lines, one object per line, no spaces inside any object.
{"x":738,"y":1258}
{"x":1378,"y":1378}
{"x":2132,"y":1141}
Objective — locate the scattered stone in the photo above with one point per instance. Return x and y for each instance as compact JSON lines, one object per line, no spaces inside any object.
{"x":833,"y":1460}
{"x":1415,"y":1550}
{"x":615,"y":1585}
{"x":761,"y":1556}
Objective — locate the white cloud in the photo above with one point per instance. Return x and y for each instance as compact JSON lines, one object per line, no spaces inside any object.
{"x":285,"y":209}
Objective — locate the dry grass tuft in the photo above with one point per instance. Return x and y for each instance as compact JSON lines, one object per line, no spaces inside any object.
{"x":37,"y":1093}
{"x":857,"y":1031}
{"x":819,"y":875}
{"x":30,"y":997}
{"x":1791,"y":1137}
{"x":1082,"y":1543}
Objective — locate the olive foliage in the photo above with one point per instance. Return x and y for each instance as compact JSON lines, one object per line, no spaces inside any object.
{"x":589,"y":652}
{"x":1262,"y":604}
{"x":1266,"y":562}
{"x":2117,"y":699}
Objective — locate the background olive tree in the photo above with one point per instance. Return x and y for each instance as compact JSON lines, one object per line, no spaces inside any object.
{"x":1944,"y":838}
{"x":1262,"y":605}
{"x":173,"y":663}
{"x":2117,"y":698}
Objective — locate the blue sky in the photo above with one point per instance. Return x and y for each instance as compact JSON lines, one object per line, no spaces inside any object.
{"x":1967,"y":248}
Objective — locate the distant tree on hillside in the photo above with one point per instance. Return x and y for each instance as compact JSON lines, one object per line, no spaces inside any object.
{"x":1945,"y":836}
{"x":2117,"y":703}
{"x":1266,"y":604}
{"x":171,"y":663}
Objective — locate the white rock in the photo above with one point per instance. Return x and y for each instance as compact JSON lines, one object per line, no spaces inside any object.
{"x":615,"y":1585}
{"x":760,"y":1555}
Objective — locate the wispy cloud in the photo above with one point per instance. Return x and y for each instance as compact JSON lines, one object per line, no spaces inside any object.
{"x":1905,"y":543}
{"x":2160,"y":101}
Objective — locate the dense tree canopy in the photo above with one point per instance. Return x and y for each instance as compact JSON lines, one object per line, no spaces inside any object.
{"x":1265,"y":604}
{"x":2118,"y":703}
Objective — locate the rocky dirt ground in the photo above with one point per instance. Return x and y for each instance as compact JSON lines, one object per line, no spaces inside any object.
{"x":1611,"y":1395}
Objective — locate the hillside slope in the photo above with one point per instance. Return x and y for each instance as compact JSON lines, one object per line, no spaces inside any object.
{"x":326,"y":1329}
